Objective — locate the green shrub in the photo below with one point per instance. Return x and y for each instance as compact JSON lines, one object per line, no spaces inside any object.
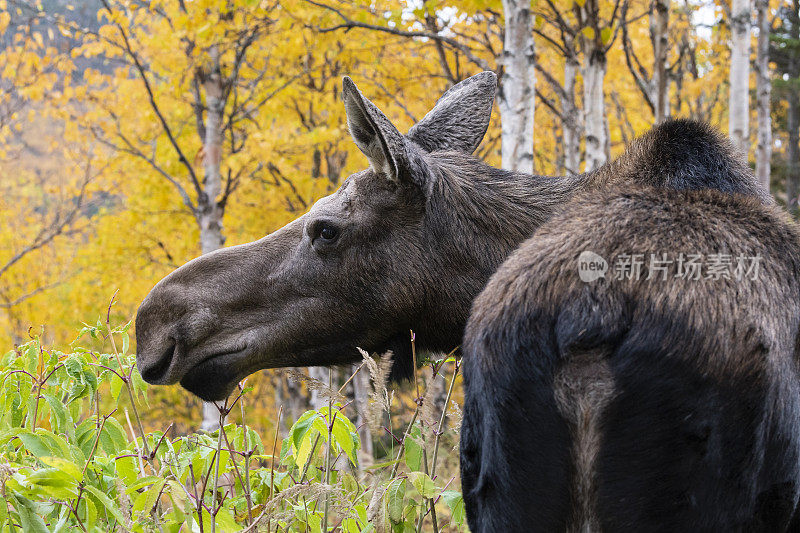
{"x":74,"y":455}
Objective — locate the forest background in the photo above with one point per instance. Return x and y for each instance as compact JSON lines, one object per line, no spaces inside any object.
{"x":136,"y":135}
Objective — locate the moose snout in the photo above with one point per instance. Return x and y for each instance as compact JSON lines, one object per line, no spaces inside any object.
{"x":157,"y":341}
{"x":178,"y":323}
{"x":207,"y":310}
{"x":155,"y":370}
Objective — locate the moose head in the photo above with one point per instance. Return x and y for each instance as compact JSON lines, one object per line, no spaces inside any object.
{"x":406,"y":244}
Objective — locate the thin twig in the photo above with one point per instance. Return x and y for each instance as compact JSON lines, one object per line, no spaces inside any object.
{"x":271,"y":470}
{"x":214,"y":507}
{"x":248,"y":452}
{"x":418,"y":401}
{"x":328,"y":452}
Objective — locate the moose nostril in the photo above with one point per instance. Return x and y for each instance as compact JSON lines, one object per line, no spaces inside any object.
{"x":156,"y":373}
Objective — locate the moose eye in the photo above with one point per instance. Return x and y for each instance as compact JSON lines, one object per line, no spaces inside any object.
{"x":328,"y":233}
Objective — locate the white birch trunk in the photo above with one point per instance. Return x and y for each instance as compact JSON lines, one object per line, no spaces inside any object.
{"x":763,"y":95}
{"x":739,"y":97}
{"x":594,"y":107}
{"x":209,"y":215}
{"x":659,"y":26}
{"x":361,"y":398}
{"x":517,"y":88}
{"x":571,"y":123}
{"x":315,"y":399}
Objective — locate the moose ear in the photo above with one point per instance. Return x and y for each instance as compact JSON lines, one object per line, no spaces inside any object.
{"x":374,"y":135}
{"x":459,"y":119}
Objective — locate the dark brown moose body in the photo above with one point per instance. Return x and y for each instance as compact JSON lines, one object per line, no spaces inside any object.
{"x":661,"y":404}
{"x":406,"y":244}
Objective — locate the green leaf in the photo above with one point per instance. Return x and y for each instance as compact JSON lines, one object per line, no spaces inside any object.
{"x":90,"y":513}
{"x":9,"y":356}
{"x":424,"y":484}
{"x":62,"y":523}
{"x":305,"y":450}
{"x":17,"y":410}
{"x":90,"y":378}
{"x":74,"y":366}
{"x":301,"y":427}
{"x":143,"y":482}
{"x":126,"y":469}
{"x":226,"y":523}
{"x":113,"y":438}
{"x":346,"y":440}
{"x":3,"y":514}
{"x":31,"y":522}
{"x":115,"y":384}
{"x":320,"y":426}
{"x":395,"y":494}
{"x":286,"y":450}
{"x":110,"y":506}
{"x":68,"y":467}
{"x":177,"y":492}
{"x":138,"y":384}
{"x":43,"y":443}
{"x":34,"y":444}
{"x":53,"y":482}
{"x":85,"y":435}
{"x":77,"y":391}
{"x":63,"y":419}
{"x":147,"y":500}
{"x":455,"y":501}
{"x":32,"y":356}
{"x":413,"y":449}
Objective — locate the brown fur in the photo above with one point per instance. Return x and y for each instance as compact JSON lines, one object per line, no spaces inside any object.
{"x":700,"y":431}
{"x":583,"y":387}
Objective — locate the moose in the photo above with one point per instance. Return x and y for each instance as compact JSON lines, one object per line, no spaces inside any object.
{"x":410,"y":243}
{"x":659,"y":403}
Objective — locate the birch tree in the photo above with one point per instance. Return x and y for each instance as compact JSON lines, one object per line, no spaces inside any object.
{"x":785,"y":52}
{"x":653,"y":84}
{"x":572,"y":124}
{"x":763,"y":94}
{"x":583,"y":34}
{"x":739,"y":96}
{"x":564,"y":43}
{"x":597,"y":36}
{"x":517,"y":85}
{"x":48,"y":190}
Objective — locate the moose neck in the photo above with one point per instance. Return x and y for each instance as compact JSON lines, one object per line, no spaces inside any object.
{"x":476,"y":216}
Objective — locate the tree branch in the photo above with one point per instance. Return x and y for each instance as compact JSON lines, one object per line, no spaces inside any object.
{"x":630,"y":58}
{"x":47,"y":234}
{"x":151,"y":98}
{"x":7,"y":304}
{"x":134,"y":151}
{"x":349,"y":24}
